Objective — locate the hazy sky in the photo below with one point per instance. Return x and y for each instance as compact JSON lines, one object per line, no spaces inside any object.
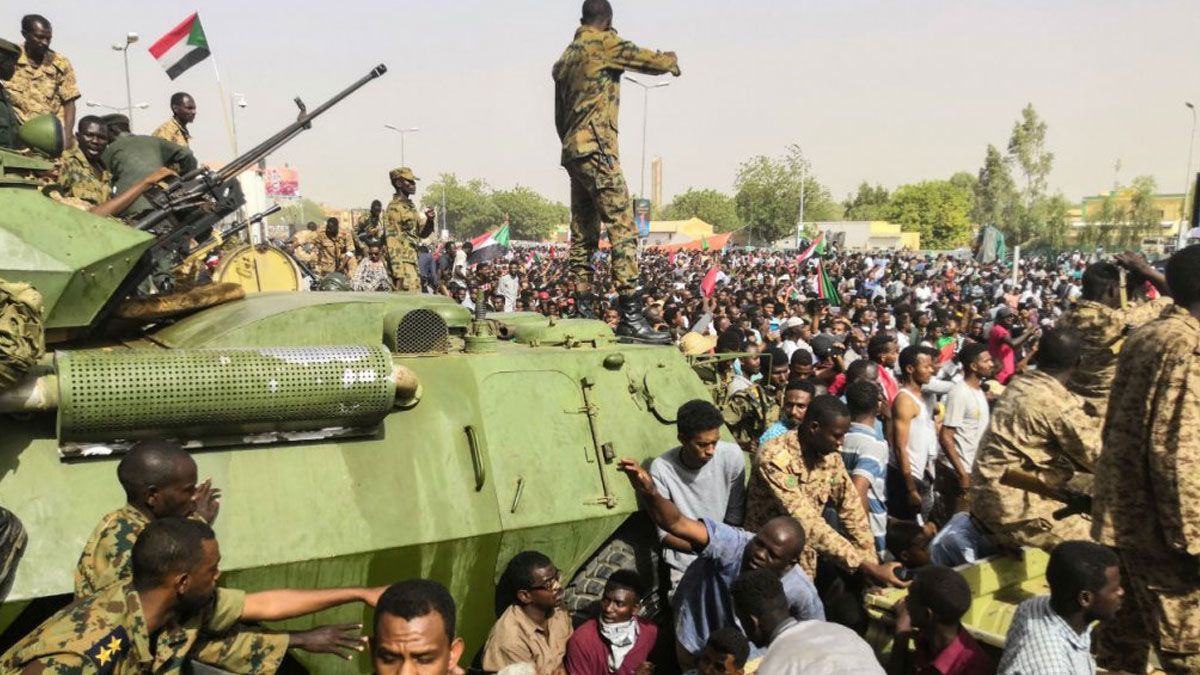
{"x":889,"y":92}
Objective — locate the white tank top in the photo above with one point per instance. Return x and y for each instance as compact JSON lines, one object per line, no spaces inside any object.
{"x":922,"y":439}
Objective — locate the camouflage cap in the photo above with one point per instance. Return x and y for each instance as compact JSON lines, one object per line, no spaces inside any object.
{"x":402,"y":172}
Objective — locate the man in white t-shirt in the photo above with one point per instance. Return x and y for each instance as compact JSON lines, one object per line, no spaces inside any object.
{"x":966,"y":419}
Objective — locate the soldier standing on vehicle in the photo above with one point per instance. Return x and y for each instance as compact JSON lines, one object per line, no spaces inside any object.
{"x":173,"y":596}
{"x":404,"y":229}
{"x":1147,"y":497}
{"x":587,"y":82}
{"x":9,"y":124}
{"x":183,"y":113}
{"x":44,"y":83}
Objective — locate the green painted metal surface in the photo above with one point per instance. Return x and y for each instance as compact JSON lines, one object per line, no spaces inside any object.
{"x":505,"y":451}
{"x":75,"y":259}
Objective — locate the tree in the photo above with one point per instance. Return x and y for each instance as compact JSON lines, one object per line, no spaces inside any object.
{"x":938,"y":209}
{"x":298,"y":214}
{"x":869,"y":203}
{"x":1027,"y":151}
{"x":1142,"y":218}
{"x":470,"y":210}
{"x":711,"y":206}
{"x":995,"y":192}
{"x":530,"y":215}
{"x":768,"y":195}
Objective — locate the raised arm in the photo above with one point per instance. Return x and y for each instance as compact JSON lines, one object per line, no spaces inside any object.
{"x":663,"y":511}
{"x":625,"y":54}
{"x":288,"y":603}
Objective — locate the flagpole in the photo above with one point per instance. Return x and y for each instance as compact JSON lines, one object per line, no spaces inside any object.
{"x":224,"y":108}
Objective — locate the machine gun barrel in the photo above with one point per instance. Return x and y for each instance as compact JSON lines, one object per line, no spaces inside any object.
{"x":304,"y":121}
{"x":232,"y":230}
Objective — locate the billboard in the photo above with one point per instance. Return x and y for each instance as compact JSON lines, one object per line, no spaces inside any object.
{"x":641,"y":215}
{"x":282,"y":181}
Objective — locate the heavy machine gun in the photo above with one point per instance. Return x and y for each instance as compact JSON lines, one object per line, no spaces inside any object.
{"x":198,"y":253}
{"x":191,"y":206}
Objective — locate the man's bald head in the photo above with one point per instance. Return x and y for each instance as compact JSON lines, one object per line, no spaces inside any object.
{"x":785,"y":531}
{"x":159,"y":476}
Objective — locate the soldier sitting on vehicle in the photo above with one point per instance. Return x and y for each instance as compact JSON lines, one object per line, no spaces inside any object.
{"x":160,"y":481}
{"x":169,"y":609}
{"x":1039,"y":427}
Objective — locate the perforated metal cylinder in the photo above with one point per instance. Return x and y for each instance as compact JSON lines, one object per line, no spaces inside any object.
{"x":202,"y":393}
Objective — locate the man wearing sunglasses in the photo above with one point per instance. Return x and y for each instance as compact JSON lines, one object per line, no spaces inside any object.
{"x":534,"y":628}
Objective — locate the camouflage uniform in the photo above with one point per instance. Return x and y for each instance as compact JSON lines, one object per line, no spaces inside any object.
{"x":783,"y":484}
{"x":1039,"y":427}
{"x":21,"y":339}
{"x":747,"y":413}
{"x":78,"y":183}
{"x":9,"y":124}
{"x":106,"y":633}
{"x":403,"y":229}
{"x":368,"y":229}
{"x":106,"y":561}
{"x":173,"y":130}
{"x":1103,"y":330}
{"x":42,"y":89}
{"x":587,"y":82}
{"x":330,"y":254}
{"x":1147,"y":501}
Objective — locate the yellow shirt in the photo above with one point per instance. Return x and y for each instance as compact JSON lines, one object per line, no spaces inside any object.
{"x":42,"y":89}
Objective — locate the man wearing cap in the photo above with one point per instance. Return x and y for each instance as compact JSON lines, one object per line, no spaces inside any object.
{"x":587,"y":83}
{"x":9,"y":124}
{"x":131,"y":158}
{"x":404,"y":227}
{"x":44,"y":82}
{"x":183,"y":113}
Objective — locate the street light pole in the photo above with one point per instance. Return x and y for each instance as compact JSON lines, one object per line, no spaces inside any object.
{"x":1187,"y":183}
{"x":116,"y":108}
{"x":130,"y":38}
{"x":402,"y":132}
{"x":237,"y":100}
{"x":645,"y":117}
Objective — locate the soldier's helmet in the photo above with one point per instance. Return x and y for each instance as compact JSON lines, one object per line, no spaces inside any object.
{"x":43,"y":133}
{"x":334,"y":281}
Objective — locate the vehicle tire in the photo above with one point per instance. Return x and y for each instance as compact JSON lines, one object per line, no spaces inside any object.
{"x":634,"y":546}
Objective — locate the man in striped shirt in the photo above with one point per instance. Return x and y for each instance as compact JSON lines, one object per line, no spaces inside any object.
{"x":866,"y":455}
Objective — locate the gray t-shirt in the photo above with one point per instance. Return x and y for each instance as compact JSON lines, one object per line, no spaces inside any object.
{"x":966,"y":411}
{"x":716,"y":491}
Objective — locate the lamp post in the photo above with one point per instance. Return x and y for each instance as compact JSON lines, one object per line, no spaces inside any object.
{"x":116,"y":108}
{"x":237,"y":100}
{"x":130,"y":38}
{"x":1187,"y":183}
{"x":402,"y":132}
{"x":645,"y":116}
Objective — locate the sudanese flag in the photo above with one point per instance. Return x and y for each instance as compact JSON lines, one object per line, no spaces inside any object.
{"x":182,"y":48}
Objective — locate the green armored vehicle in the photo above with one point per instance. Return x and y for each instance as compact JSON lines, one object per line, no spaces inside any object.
{"x":359,"y":439}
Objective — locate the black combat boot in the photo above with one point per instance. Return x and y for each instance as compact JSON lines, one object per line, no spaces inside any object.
{"x":586,"y":303}
{"x":634,"y":326}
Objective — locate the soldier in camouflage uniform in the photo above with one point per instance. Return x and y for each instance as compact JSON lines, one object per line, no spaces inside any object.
{"x":44,"y":83}
{"x":110,"y":632}
{"x":1103,"y":323}
{"x":332,"y":251}
{"x":83,"y":180}
{"x":404,"y":229}
{"x":160,"y":481}
{"x":370,"y":229}
{"x":1039,"y":427}
{"x":9,"y":124}
{"x":1147,"y":497}
{"x":800,"y":474}
{"x":747,"y":408}
{"x":587,"y":82}
{"x":183,"y":113}
{"x":21,"y":345}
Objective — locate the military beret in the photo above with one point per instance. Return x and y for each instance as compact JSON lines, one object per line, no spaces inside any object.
{"x":7,"y":47}
{"x":115,"y":118}
{"x":402,"y":172}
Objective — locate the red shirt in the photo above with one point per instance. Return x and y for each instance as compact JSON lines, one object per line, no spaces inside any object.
{"x":964,"y":656}
{"x":1002,"y":353}
{"x":587,"y":652}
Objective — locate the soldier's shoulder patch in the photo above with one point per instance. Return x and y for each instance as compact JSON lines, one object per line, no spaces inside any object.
{"x":107,"y":652}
